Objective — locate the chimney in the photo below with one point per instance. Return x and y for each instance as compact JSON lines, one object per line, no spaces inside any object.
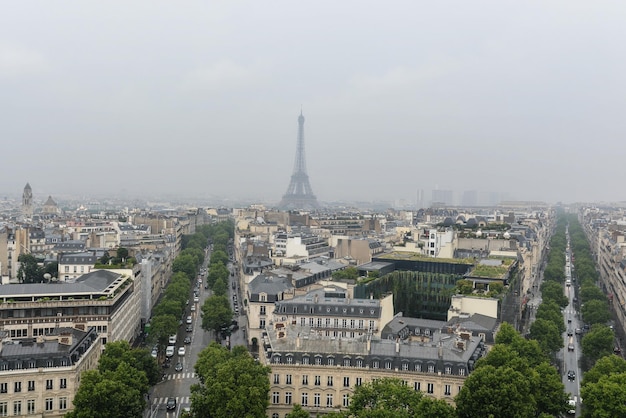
{"x":316,"y":298}
{"x":298,"y":343}
{"x":397,"y":345}
{"x":369,"y":344}
{"x":440,"y":350}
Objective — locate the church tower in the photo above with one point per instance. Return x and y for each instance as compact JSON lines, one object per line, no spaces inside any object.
{"x":27,"y":202}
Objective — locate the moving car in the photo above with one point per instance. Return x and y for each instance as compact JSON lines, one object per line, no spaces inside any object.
{"x":178,"y":367}
{"x":189,"y":320}
{"x":181,"y":351}
{"x":571,"y":375}
{"x":169,"y":351}
{"x":155,"y":351}
{"x":172,"y":339}
{"x":171,"y":403}
{"x":196,"y":299}
{"x":189,"y":328}
{"x":570,"y":332}
{"x":187,"y":340}
{"x":193,"y":308}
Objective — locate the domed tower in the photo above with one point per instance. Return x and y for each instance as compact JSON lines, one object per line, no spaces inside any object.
{"x":27,"y":202}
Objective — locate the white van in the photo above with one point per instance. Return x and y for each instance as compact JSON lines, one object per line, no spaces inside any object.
{"x":169,"y":351}
{"x":172,"y":339}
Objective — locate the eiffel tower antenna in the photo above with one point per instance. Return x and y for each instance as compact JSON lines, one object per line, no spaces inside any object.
{"x":299,"y":194}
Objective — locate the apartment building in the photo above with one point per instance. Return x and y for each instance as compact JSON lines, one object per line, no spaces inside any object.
{"x":321,"y":373}
{"x":39,"y":376}
{"x":107,"y":300}
{"x":331,"y":311}
{"x":74,"y":265}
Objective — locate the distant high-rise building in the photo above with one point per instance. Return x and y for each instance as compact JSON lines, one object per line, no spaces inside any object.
{"x":27,"y":202}
{"x":299,"y":194}
{"x":470,"y":198}
{"x":445,"y":197}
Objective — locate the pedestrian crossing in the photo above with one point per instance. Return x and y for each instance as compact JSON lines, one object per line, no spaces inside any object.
{"x":177,"y":376}
{"x":183,"y":400}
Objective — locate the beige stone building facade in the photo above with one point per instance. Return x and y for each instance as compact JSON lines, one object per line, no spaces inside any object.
{"x":40,"y":376}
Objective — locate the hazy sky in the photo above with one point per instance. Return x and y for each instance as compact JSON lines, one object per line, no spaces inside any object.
{"x":170,"y":97}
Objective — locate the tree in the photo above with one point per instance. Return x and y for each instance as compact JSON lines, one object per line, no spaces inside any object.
{"x":118,"y":352}
{"x":595,"y":312}
{"x":29,"y":271}
{"x":603,"y":367}
{"x":390,"y":397}
{"x":216,"y":313}
{"x":590,"y":292}
{"x":186,"y":264}
{"x":298,"y":412}
{"x":553,"y":291}
{"x":598,"y":342}
{"x":235,"y":386}
{"x":547,"y":335}
{"x":122,"y":254}
{"x":548,"y":390}
{"x":220,"y":288}
{"x":495,"y":392}
{"x":161,"y":327}
{"x":550,"y":311}
{"x":465,"y":287}
{"x":111,"y":394}
{"x":605,"y":398}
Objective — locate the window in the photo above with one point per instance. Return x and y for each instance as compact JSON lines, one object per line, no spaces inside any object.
{"x":305,"y":379}
{"x":311,"y":322}
{"x":360,"y":324}
{"x":346,"y":401}
{"x":18,"y":387}
{"x":346,"y":382}
{"x":4,"y":409}
{"x":319,"y":322}
{"x":336,"y":322}
{"x":344,"y":323}
{"x":331,"y":361}
{"x":387,"y":364}
{"x":275,"y":415}
{"x":4,"y":387}
{"x":63,"y":403}
{"x":447,"y":390}
{"x":405,"y":366}
{"x":375,"y":364}
{"x":289,"y":359}
{"x":329,"y":400}
{"x":430,"y":388}
{"x":359,"y":362}
{"x":67,"y":269}
{"x":316,"y":399}
{"x":318,"y":380}
{"x":48,"y":404}
{"x":318,"y":360}
{"x":461,"y":371}
{"x":17,"y":407}
{"x":431,"y":368}
{"x":305,"y":360}
{"x":352,"y":323}
{"x":63,"y":383}
{"x":448,"y":370}
{"x":262,"y":310}
{"x":30,"y":406}
{"x":418,"y":367}
{"x":31,"y":385}
{"x":48,"y":384}
{"x":275,"y":397}
{"x":288,"y":379}
{"x":305,"y":399}
{"x":261,"y":323}
{"x":358,"y":380}
{"x":302,"y":321}
{"x":346,"y":362}
{"x":288,"y":398}
{"x":417,"y":386}
{"x":276,"y":378}
{"x":329,"y":381}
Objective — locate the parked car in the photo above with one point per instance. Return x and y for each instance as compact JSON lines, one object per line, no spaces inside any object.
{"x":193,"y":308}
{"x":181,"y":351}
{"x":172,"y":339}
{"x":155,"y":351}
{"x":196,"y":299}
{"x":189,"y":319}
{"x":169,"y":351}
{"x":189,"y":328}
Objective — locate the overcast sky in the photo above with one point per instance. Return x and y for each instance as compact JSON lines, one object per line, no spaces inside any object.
{"x":170,"y":97}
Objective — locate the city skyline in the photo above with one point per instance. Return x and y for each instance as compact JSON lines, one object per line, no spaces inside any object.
{"x":517,"y":99}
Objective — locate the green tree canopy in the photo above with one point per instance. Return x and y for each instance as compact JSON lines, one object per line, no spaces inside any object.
{"x":30,"y":271}
{"x":603,"y":367}
{"x":605,"y":398}
{"x":547,"y":335}
{"x":349,"y":273}
{"x":595,"y":312}
{"x":298,"y":412}
{"x":118,"y":352}
{"x":235,"y":386}
{"x":216,"y":313}
{"x":598,"y":342}
{"x":495,"y":392}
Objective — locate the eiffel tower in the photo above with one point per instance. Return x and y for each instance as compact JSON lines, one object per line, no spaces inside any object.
{"x":299,"y":194}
